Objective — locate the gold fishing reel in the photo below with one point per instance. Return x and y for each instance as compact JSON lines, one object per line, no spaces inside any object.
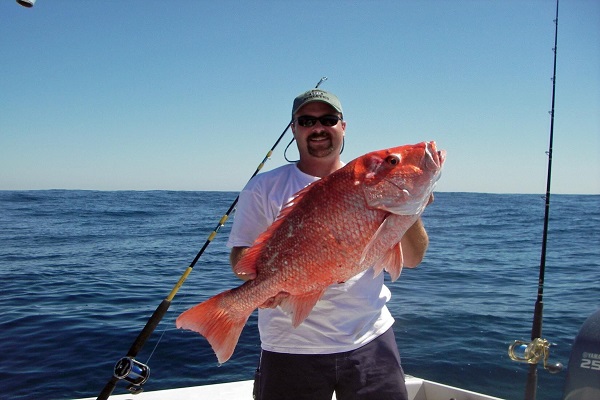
{"x":532,"y":352}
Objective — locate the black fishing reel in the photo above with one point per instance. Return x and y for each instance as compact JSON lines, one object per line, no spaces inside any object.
{"x":532,"y":352}
{"x":132,"y":371}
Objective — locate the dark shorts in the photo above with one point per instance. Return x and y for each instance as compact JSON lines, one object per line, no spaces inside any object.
{"x":369,"y":372}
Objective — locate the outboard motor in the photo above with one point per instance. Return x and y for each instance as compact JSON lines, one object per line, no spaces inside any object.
{"x":583,"y":375}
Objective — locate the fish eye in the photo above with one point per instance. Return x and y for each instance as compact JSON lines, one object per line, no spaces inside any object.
{"x":392,"y":160}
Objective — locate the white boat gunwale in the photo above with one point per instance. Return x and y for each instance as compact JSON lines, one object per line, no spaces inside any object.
{"x":418,"y":389}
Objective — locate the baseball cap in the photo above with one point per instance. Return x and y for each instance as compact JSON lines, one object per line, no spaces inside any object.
{"x":316,"y":95}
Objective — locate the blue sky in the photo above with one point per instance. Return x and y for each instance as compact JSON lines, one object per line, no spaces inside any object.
{"x":190,"y":95}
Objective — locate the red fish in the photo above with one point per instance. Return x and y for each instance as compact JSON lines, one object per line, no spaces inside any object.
{"x":333,"y":229}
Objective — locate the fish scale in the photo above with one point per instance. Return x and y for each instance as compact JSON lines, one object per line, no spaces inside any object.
{"x":335,"y":228}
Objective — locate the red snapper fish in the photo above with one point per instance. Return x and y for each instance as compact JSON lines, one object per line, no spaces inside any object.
{"x":335,"y":228}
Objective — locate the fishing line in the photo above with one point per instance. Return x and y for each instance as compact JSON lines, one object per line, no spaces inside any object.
{"x":538,"y":348}
{"x":128,"y":368}
{"x":156,"y":345}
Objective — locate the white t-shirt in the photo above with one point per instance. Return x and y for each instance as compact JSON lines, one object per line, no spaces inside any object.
{"x":348,"y":316}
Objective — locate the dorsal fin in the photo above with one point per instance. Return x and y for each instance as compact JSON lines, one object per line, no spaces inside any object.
{"x":247,"y":264}
{"x":285,"y":211}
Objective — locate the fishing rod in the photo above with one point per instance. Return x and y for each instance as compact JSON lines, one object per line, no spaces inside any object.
{"x":130,"y":369}
{"x":539,"y":349}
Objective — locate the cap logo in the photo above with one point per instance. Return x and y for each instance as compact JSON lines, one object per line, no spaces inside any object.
{"x":316,"y":94}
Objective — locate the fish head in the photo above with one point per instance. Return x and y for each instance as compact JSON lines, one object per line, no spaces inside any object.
{"x":401,"y":179}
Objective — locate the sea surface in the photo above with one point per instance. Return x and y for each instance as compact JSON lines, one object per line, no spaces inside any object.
{"x":82,"y":271}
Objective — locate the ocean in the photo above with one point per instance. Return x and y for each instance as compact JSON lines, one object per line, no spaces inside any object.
{"x":82,"y":271}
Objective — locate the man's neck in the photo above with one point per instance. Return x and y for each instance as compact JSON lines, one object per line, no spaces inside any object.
{"x":321,"y":168}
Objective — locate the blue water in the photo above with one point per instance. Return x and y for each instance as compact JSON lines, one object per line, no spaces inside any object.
{"x":82,"y":271}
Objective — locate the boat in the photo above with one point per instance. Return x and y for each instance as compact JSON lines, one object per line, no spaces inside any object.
{"x":418,"y":389}
{"x":583,"y":379}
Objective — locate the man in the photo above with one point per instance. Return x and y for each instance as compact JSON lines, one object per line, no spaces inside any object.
{"x":346,"y":344}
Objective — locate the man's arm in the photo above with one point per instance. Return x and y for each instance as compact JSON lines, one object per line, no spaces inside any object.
{"x":414,"y":244}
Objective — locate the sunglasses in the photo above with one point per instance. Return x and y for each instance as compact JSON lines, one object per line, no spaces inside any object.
{"x":326,"y":120}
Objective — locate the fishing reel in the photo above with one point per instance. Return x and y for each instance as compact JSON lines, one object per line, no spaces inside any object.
{"x":132,"y":371}
{"x":532,"y":352}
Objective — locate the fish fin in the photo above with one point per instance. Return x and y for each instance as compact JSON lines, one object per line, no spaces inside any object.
{"x":384,"y":238}
{"x":289,"y":206}
{"x":247,"y":264}
{"x":367,"y":254}
{"x":393,"y":261}
{"x":385,"y":241}
{"x":213,"y":320}
{"x":299,"y":306}
{"x":283,"y":213}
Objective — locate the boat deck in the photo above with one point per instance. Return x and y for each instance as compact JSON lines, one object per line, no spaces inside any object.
{"x":418,"y":389}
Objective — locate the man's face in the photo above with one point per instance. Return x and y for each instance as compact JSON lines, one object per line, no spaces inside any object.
{"x":318,"y":140}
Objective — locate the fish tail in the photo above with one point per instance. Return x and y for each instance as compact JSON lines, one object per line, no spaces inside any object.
{"x":214,"y":320}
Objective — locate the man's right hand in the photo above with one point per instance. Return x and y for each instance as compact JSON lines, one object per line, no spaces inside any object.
{"x":234,"y":257}
{"x":236,"y":254}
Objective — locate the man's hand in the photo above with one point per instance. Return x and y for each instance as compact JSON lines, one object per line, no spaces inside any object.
{"x":235,"y":256}
{"x":274,"y":301}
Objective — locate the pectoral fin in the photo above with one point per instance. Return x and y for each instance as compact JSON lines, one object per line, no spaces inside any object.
{"x":392,"y":262}
{"x":299,"y":306}
{"x":384,"y":250}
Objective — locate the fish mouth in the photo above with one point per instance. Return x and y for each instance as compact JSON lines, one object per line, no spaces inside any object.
{"x":434,"y":159}
{"x":417,"y":199}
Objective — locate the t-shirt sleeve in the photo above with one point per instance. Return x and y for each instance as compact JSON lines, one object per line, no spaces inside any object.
{"x":250,"y":218}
